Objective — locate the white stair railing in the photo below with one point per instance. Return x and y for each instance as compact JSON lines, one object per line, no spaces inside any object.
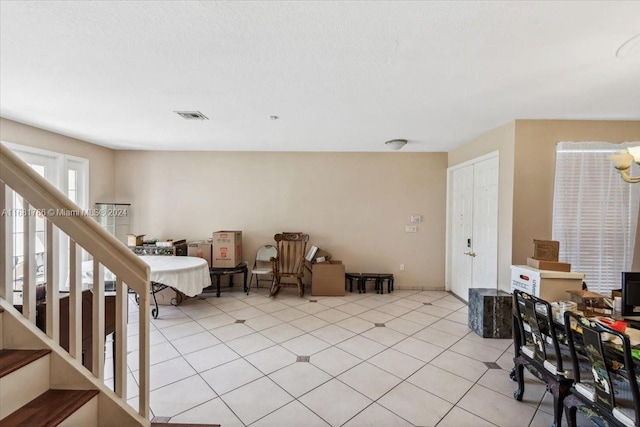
{"x":63,"y":216}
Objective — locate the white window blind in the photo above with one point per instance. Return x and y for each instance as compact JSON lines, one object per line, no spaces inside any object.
{"x":595,"y":213}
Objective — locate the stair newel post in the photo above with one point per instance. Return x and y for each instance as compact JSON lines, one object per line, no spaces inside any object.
{"x":53,"y":296}
{"x":29,"y":266}
{"x":120,"y":339}
{"x":6,"y":245}
{"x":75,"y":301}
{"x":98,"y":320}
{"x":145,"y":319}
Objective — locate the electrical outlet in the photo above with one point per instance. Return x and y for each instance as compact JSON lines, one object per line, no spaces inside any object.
{"x":410,"y":228}
{"x":415,"y":218}
{"x":401,"y":267}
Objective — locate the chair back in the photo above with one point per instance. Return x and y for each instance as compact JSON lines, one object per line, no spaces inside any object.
{"x":291,"y":248}
{"x":539,"y":336}
{"x":605,"y":372}
{"x":265,"y":253}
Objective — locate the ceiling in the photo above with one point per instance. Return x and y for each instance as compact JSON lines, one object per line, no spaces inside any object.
{"x":340,"y":76}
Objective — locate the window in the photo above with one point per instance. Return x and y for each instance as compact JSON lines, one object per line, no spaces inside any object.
{"x":69,"y":174}
{"x":595,"y":213}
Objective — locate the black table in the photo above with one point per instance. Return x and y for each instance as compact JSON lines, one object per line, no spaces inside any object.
{"x":218,"y":272}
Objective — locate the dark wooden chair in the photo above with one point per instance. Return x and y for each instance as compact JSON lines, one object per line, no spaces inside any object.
{"x":606,"y":383}
{"x":537,"y":348}
{"x":289,"y":261}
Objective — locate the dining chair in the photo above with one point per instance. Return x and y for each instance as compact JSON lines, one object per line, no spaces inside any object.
{"x":289,"y":261}
{"x":537,"y":348}
{"x":262,"y":264}
{"x":606,"y":383}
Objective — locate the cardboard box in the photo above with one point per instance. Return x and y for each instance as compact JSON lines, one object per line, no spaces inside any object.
{"x":547,"y":285}
{"x":315,"y":255}
{"x":591,"y":303}
{"x":327,"y":279}
{"x":227,"y":249}
{"x":546,"y":250}
{"x":548,"y":265}
{"x":201,"y":249}
{"x":133,"y":240}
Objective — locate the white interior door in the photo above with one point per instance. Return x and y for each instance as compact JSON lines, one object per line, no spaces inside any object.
{"x":474,"y":227}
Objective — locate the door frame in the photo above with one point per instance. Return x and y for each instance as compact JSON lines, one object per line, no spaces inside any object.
{"x":448,"y":222}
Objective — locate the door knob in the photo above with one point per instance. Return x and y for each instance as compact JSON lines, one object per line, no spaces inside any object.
{"x":471,"y":254}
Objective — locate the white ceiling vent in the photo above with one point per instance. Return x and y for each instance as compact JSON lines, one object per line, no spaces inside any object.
{"x":192,"y":115}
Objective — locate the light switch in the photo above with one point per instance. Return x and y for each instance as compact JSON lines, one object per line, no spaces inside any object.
{"x":416,"y":218}
{"x":410,"y":228}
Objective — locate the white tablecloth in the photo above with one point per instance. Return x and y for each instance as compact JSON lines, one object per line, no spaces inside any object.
{"x":189,"y":275}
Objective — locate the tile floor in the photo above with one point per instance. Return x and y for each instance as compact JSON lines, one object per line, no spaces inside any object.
{"x":400,"y":359}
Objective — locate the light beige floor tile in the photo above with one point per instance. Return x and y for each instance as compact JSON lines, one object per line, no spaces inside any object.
{"x":214,"y":409}
{"x":332,"y":334}
{"x":299,"y":378}
{"x":397,"y":363}
{"x":210,"y":357}
{"x":434,"y":310}
{"x":415,"y":405}
{"x":273,"y":306}
{"x":506,"y":360}
{"x":407,"y":303}
{"x":293,"y":414}
{"x":443,"y":384}
{"x":332,"y":315}
{"x":195,"y":342}
{"x":246,"y":313}
{"x":309,"y":323}
{"x":200,"y":311}
{"x":289,"y":296}
{"x":331,"y":301}
{"x":418,"y":349}
{"x":361,"y":347}
{"x":355,"y":324}
{"x":281,"y":333}
{"x":312,"y":307}
{"x":542,"y":419}
{"x":133,"y":341}
{"x":371,"y":301}
{"x":434,"y":336}
{"x":167,"y":318}
{"x":393,"y":309}
{"x":157,"y":353}
{"x":476,"y":351}
{"x":460,"y":365}
{"x":353,"y":308}
{"x":232,"y":305}
{"x":270,"y":398}
{"x":181,"y":330}
{"x":216,"y":321}
{"x":453,"y":328}
{"x":335,"y":402}
{"x":172,"y":399}
{"x":305,"y":345}
{"x":376,"y":316}
{"x":464,"y":310}
{"x":500,"y":344}
{"x":334,"y":361}
{"x":546,"y":404}
{"x":420,"y":297}
{"x":232,"y":331}
{"x":230,"y":376}
{"x":498,"y":380}
{"x":420,"y":318}
{"x":369,"y":380}
{"x":456,"y":316}
{"x":289,"y":314}
{"x":263,"y":322}
{"x":405,"y":326}
{"x":376,"y":415}
{"x":271,"y":359}
{"x":460,"y":418}
{"x":384,"y":336}
{"x":167,"y":372}
{"x":250,"y":344}
{"x":449,"y":302}
{"x":496,"y":408}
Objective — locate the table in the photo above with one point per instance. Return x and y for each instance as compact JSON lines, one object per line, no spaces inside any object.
{"x":186,"y":275}
{"x":218,"y":272}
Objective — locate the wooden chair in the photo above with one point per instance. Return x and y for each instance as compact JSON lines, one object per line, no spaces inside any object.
{"x":538,"y":349}
{"x":606,"y":386}
{"x":289,"y":261}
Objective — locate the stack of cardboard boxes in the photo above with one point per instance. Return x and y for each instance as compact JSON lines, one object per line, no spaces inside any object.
{"x":327,"y":276}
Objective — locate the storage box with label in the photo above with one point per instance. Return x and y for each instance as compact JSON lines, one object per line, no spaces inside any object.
{"x":545,"y":284}
{"x":227,"y":249}
{"x":201,"y":249}
{"x":327,"y":279}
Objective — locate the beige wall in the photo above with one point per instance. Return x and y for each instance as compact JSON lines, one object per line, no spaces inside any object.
{"x":535,"y":157}
{"x":101,"y":159}
{"x":500,"y":139}
{"x":354,"y":205}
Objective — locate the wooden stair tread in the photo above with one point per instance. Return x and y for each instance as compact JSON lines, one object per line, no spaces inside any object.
{"x":12,"y":360}
{"x":50,"y":408}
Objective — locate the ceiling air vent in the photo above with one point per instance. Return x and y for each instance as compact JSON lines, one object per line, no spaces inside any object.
{"x":192,"y":115}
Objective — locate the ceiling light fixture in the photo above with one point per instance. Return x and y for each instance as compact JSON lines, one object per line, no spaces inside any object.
{"x":623,"y":160}
{"x":396,"y":144}
{"x":192,"y":115}
{"x":630,"y":47}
